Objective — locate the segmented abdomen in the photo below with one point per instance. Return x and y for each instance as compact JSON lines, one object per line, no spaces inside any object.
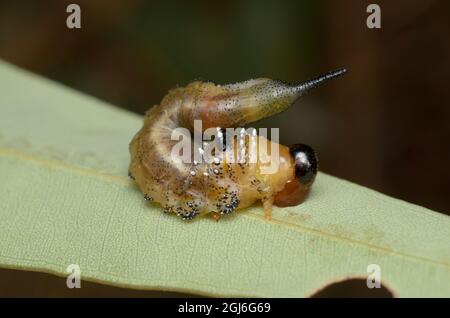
{"x":187,"y":189}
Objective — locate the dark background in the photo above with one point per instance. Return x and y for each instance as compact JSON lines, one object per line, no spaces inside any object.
{"x":385,"y":125}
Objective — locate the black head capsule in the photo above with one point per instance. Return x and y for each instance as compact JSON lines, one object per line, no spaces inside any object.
{"x":306,"y":163}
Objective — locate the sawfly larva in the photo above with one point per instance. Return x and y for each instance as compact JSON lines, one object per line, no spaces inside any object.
{"x":220,"y":186}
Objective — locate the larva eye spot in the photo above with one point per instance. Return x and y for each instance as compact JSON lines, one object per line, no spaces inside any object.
{"x":306,"y":163}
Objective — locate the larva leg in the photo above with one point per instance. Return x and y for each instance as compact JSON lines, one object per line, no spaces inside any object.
{"x":267,"y":205}
{"x":216,"y":216}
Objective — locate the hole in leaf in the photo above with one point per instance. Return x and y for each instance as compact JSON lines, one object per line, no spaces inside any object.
{"x":352,"y":288}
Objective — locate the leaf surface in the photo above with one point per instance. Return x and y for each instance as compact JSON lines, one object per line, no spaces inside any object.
{"x":65,"y":199}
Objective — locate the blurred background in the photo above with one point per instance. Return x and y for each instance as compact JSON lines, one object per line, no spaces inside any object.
{"x":385,"y":125}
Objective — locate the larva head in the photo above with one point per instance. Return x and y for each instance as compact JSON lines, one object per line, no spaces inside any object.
{"x":304,"y":164}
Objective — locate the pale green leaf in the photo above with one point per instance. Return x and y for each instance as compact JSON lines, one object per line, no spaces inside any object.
{"x":65,"y":198}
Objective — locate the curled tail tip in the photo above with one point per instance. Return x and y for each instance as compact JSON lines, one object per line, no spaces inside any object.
{"x":339,"y":71}
{"x":332,"y":75}
{"x":302,"y":88}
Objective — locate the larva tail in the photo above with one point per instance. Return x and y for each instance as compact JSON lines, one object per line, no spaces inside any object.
{"x":237,"y":105}
{"x":303,"y":88}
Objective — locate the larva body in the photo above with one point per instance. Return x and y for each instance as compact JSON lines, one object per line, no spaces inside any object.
{"x":220,"y":186}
